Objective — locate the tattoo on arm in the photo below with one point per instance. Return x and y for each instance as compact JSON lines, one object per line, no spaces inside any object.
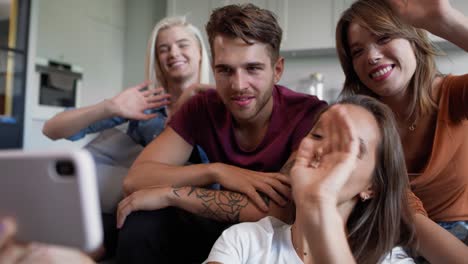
{"x":178,"y":190}
{"x":222,"y":205}
{"x":192,"y":189}
{"x":219,"y":205}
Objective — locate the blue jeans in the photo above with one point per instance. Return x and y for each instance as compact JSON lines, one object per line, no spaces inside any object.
{"x":457,"y":228}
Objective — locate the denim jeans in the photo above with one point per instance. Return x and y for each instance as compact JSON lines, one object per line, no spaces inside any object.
{"x":457,"y":228}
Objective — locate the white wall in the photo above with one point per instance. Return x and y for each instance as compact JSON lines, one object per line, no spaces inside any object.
{"x":141,"y":16}
{"x":86,"y":33}
{"x":455,"y":62}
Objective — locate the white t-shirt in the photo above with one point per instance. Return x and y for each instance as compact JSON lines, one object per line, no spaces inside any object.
{"x":269,"y":241}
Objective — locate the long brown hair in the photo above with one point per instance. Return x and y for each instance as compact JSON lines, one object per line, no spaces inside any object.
{"x":247,"y":22}
{"x":375,"y":226}
{"x":377,"y":17}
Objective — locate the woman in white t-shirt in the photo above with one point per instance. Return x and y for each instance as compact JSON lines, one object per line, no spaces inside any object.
{"x":349,"y":186}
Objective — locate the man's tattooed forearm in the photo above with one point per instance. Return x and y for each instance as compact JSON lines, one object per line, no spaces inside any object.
{"x":219,"y":205}
{"x":192,"y":189}
{"x":177,"y":190}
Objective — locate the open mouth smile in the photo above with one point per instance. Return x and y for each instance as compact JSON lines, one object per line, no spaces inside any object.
{"x":381,"y":72}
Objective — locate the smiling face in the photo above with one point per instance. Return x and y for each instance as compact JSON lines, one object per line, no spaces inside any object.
{"x":383,"y":64}
{"x":369,"y":136}
{"x":245,"y":76}
{"x":178,"y":54}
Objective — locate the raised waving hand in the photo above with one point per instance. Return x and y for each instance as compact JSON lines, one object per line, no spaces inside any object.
{"x":437,"y":16}
{"x":325,"y":158}
{"x":132,"y":102}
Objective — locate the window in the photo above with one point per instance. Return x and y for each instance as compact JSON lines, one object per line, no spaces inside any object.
{"x":14,"y":19}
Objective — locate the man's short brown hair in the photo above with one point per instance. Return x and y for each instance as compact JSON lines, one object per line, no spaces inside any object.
{"x":248,"y":22}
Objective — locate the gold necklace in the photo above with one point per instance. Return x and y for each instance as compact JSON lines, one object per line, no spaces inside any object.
{"x":402,"y":124}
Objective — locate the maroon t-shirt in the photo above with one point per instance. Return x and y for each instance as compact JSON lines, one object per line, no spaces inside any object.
{"x":205,"y":121}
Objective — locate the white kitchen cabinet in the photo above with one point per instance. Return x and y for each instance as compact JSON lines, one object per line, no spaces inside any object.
{"x":198,"y":12}
{"x":306,"y":24}
{"x":341,"y":5}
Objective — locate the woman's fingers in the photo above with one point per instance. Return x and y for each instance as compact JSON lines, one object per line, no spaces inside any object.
{"x":343,"y":131}
{"x":153,"y":92}
{"x":340,"y":130}
{"x":158,"y":104}
{"x":158,"y":98}
{"x":350,"y":142}
{"x":7,"y":230}
{"x":305,"y":152}
{"x":10,"y":252}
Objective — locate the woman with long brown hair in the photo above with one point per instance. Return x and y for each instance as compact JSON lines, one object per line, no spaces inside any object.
{"x":386,"y":53}
{"x":349,"y":186}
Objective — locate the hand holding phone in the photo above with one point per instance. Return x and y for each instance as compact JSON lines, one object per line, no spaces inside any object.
{"x":52,"y":196}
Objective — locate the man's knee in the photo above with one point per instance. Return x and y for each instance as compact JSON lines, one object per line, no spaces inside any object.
{"x":144,"y":238}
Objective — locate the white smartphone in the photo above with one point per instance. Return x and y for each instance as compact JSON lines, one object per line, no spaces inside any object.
{"x":53,"y":197}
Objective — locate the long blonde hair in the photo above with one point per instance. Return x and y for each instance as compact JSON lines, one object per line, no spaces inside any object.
{"x":378,"y":18}
{"x":152,"y":67}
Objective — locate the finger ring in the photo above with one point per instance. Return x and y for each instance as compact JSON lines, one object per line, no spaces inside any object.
{"x":315,"y":164}
{"x":316,"y":161}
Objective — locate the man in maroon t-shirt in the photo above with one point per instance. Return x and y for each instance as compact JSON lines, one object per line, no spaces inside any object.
{"x":249,"y":127}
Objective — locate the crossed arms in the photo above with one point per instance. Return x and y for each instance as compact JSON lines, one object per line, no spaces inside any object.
{"x":159,"y":179}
